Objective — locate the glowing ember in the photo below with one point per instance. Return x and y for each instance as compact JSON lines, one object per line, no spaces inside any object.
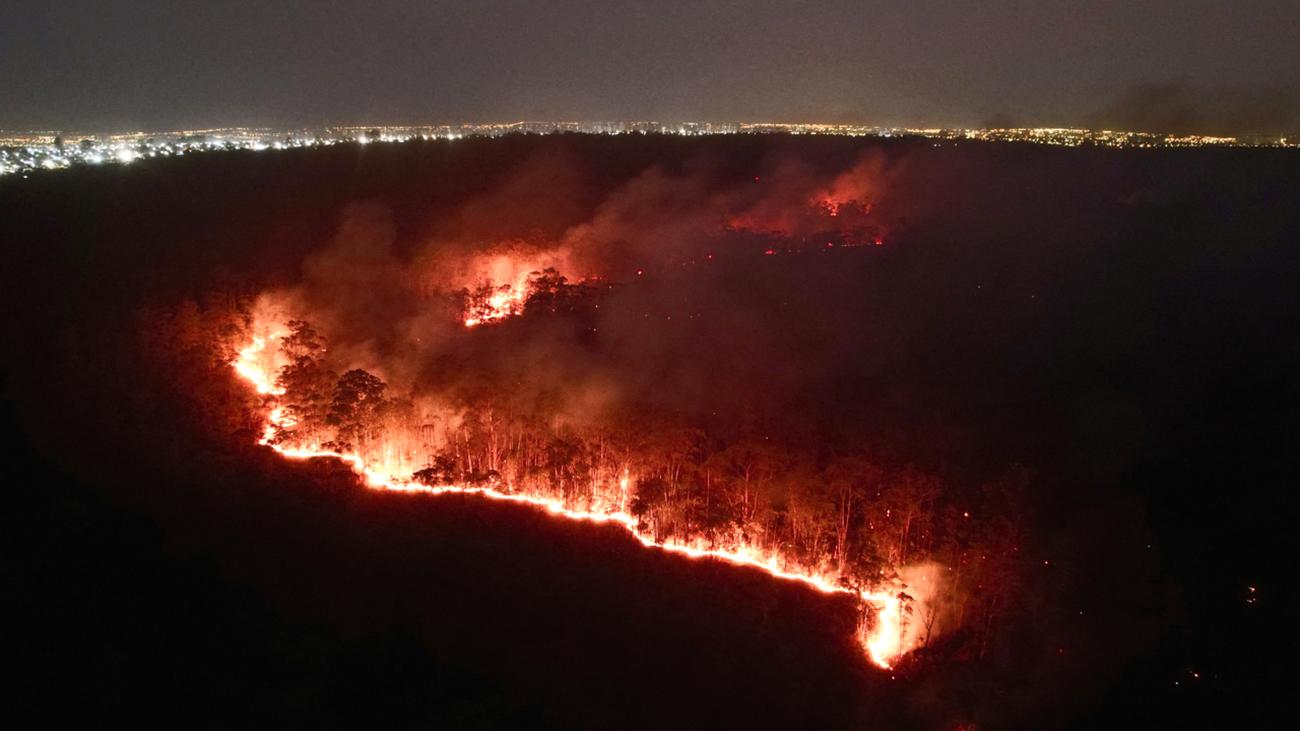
{"x":883,"y":641}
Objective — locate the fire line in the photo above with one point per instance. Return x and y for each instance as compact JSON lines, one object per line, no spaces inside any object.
{"x":882,"y":642}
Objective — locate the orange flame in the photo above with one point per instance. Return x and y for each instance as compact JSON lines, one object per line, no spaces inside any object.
{"x":504,"y":302}
{"x":883,"y":642}
{"x":251,"y":366}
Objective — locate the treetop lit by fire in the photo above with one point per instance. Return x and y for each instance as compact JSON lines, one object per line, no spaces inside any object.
{"x":886,"y":632}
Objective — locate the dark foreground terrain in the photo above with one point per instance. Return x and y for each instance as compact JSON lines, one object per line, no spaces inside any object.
{"x":1122,"y":322}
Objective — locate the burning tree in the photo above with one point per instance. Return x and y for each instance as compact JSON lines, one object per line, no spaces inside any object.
{"x":355,"y":411}
{"x":307,"y":383}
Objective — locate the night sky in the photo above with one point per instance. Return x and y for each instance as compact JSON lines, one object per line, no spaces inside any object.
{"x":1164,"y":65}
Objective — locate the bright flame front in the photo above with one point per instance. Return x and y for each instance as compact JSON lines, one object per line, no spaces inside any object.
{"x":883,"y":640}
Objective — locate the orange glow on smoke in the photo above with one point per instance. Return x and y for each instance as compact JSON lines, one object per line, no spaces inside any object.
{"x":883,"y":642}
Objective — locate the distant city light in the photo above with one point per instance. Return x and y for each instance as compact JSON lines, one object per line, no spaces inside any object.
{"x":29,"y":151}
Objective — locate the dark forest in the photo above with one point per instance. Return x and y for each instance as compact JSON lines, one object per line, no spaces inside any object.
{"x":1062,"y":379}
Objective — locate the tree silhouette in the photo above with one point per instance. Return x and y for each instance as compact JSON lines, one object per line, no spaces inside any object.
{"x":356,"y":409}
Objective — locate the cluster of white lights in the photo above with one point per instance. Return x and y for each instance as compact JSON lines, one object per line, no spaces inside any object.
{"x":47,"y":151}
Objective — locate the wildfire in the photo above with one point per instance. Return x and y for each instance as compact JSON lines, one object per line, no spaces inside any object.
{"x":250,"y":365}
{"x":505,"y":301}
{"x":498,"y":282}
{"x":883,"y":641}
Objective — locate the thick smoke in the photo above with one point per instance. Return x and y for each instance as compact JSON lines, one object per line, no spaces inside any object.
{"x":648,"y":251}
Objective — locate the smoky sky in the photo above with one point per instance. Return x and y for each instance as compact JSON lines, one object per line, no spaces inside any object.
{"x":117,"y":64}
{"x":373,"y":301}
{"x":853,"y":345}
